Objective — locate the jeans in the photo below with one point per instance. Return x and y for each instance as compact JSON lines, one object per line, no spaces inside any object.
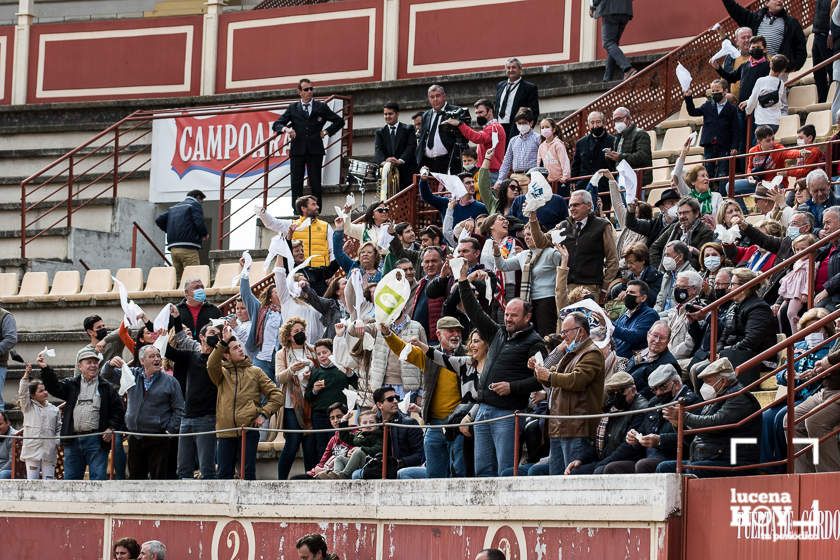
{"x":119,"y":458}
{"x":6,"y":474}
{"x":267,"y":367}
{"x":199,"y":450}
{"x":320,"y":420}
{"x":493,"y":441}
{"x":444,"y":458}
{"x":2,"y":384}
{"x":671,"y":467}
{"x":612,"y":27}
{"x":293,"y":441}
{"x":412,"y":473}
{"x":564,"y":450}
{"x":229,"y":450}
{"x":85,"y":452}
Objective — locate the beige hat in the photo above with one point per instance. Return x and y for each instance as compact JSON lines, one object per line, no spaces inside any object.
{"x":449,"y":323}
{"x":619,"y":380}
{"x":85,"y":353}
{"x":660,"y":375}
{"x":721,"y":365}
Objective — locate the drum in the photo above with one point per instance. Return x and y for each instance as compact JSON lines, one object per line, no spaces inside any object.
{"x":363,"y":170}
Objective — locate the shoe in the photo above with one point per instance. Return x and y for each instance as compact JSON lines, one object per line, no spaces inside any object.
{"x":327,"y":475}
{"x":630,"y":73}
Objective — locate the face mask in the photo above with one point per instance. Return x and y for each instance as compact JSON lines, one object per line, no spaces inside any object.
{"x":707,"y":392}
{"x":669,"y":264}
{"x":620,"y":126}
{"x":597,"y":131}
{"x":469,"y":168}
{"x":800,"y":141}
{"x":719,"y":293}
{"x":680,"y":295}
{"x":299,"y":337}
{"x":631,"y":301}
{"x":200,"y":295}
{"x":546,"y":132}
{"x":814,"y":338}
{"x":793,"y":232}
{"x":523,"y":128}
{"x":572,"y":346}
{"x":757,"y":53}
{"x":212,"y":340}
{"x":717,"y":97}
{"x":101,"y":333}
{"x":481,"y":121}
{"x":711,"y":262}
{"x":672,"y":212}
{"x":618,"y":401}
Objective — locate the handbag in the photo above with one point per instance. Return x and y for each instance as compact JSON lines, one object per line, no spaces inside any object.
{"x":373,"y":468}
{"x":455,"y":417}
{"x":771,"y":97}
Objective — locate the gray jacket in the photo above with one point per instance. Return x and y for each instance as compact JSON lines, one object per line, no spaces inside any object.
{"x":6,"y":450}
{"x":157,"y":410}
{"x":612,"y":8}
{"x":8,"y":335}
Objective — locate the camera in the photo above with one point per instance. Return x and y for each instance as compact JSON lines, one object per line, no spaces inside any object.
{"x":460,"y":114}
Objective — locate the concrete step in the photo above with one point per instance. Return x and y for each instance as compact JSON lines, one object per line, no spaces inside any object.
{"x":26,"y":162}
{"x":50,"y":244}
{"x":136,"y":187}
{"x":39,"y":138}
{"x":96,"y":214}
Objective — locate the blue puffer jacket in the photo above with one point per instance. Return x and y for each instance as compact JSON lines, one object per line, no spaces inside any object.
{"x":183,"y":224}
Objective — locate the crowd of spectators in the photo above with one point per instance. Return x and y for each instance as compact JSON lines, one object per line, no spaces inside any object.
{"x":588,"y":303}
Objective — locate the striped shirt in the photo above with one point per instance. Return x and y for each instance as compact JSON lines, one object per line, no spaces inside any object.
{"x":521,"y":154}
{"x":773,"y":31}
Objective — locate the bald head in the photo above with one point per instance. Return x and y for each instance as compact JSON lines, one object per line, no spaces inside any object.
{"x":517,"y":315}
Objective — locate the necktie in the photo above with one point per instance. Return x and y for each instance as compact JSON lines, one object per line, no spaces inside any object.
{"x":578,"y":227}
{"x":306,"y":108}
{"x":503,"y":105}
{"x":430,"y":141}
{"x":393,"y":131}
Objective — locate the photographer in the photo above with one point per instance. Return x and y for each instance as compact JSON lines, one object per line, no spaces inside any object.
{"x":483,"y":139}
{"x":687,"y":290}
{"x":439,"y":143}
{"x":521,"y":154}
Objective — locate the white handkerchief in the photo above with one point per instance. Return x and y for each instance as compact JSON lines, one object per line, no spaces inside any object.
{"x":130,"y":309}
{"x":339,"y":213}
{"x":218,"y":322}
{"x":126,"y":379}
{"x":350,"y":200}
{"x":383,"y":238}
{"x":488,"y":257}
{"x":627,"y":179}
{"x":451,"y":183}
{"x":684,"y":76}
{"x":405,"y":352}
{"x":557,"y":236}
{"x":727,"y":236}
{"x":463,"y":235}
{"x":368,"y":342}
{"x":49,"y":352}
{"x":494,"y":139}
{"x":161,"y":343}
{"x":538,"y":358}
{"x":405,"y":402}
{"x":456,"y":265}
{"x":134,"y":311}
{"x":596,"y":178}
{"x":248,"y":261}
{"x":488,"y":290}
{"x":293,"y":286}
{"x":539,"y":193}
{"x":278,"y":246}
{"x":162,"y":320}
{"x":692,"y":138}
{"x":726,"y":48}
{"x":352,"y":398}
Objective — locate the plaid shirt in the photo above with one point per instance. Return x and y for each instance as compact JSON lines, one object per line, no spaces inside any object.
{"x":521,"y":154}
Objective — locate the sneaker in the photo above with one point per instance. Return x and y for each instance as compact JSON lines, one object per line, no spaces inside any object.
{"x":630,"y":73}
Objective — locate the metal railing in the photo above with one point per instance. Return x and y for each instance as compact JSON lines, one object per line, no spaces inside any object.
{"x":655,"y":93}
{"x":135,"y":229}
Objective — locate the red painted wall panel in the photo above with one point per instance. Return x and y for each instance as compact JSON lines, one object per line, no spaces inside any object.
{"x":495,"y":31}
{"x":8,"y":33}
{"x":120,"y":58}
{"x":285,"y":51}
{"x":33,"y":538}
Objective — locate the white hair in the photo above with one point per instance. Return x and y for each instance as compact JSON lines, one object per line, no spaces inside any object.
{"x":592,"y":114}
{"x":145,"y":350}
{"x":585,"y":195}
{"x":814,"y":175}
{"x":436,"y":87}
{"x":624,"y":110}
{"x":157,"y":548}
{"x":513,"y":60}
{"x":693,"y":277}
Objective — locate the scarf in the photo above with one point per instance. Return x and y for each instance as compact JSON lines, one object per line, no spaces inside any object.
{"x":705,"y":200}
{"x":525,"y":285}
{"x":303,"y":408}
{"x":261,"y":323}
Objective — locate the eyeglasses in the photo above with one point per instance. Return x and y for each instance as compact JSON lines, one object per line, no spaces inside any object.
{"x":514,"y":188}
{"x":563,"y":332}
{"x":310,"y":88}
{"x":383,"y":210}
{"x":576,"y":204}
{"x":657,"y":337}
{"x":392,"y":398}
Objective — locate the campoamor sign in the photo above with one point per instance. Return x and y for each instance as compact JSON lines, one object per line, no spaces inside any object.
{"x":190,"y":153}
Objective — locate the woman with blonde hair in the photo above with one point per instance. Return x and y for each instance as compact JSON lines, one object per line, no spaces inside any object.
{"x":294,"y":362}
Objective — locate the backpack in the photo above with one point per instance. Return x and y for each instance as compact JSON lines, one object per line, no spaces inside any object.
{"x":770,"y":98}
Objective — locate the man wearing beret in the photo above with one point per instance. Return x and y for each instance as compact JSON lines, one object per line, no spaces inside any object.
{"x":713,"y":448}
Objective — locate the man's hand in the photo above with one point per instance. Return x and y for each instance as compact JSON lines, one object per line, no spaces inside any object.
{"x":572,"y":466}
{"x":259,"y":421}
{"x":650,"y":441}
{"x":392,"y":160}
{"x":822,"y":365}
{"x":420,"y":344}
{"x":742,"y":105}
{"x":671,"y":414}
{"x":227,"y":334}
{"x":116,"y":362}
{"x":41,"y":360}
{"x":612,"y":155}
{"x":501,"y":388}
{"x":716,"y":64}
{"x":323,"y":133}
{"x":464,"y":427}
{"x":290,"y":132}
{"x":474,"y":275}
{"x":109,"y":433}
{"x":297,"y":366}
{"x":100,"y":347}
{"x":452,"y":122}
{"x":446,"y":271}
{"x":384,"y":329}
{"x":542,"y":374}
{"x":339,"y":224}
{"x":820,"y":296}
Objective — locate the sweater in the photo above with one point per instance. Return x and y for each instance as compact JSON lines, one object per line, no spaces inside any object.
{"x":39,"y":421}
{"x":335,"y":381}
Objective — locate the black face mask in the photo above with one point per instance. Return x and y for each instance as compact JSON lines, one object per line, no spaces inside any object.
{"x":719,"y":293}
{"x":299,"y":337}
{"x":717,"y":97}
{"x":212,"y":340}
{"x":631,"y":301}
{"x":481,"y":121}
{"x":757,"y":53}
{"x":598,"y":131}
{"x":616,"y":400}
{"x":101,"y":333}
{"x":680,"y":295}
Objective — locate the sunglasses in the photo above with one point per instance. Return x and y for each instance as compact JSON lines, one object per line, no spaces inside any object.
{"x":392,"y":398}
{"x":310,"y":88}
{"x":384,"y":210}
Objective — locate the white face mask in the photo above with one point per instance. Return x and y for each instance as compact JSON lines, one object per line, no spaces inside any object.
{"x":707,"y":392}
{"x":523,"y":128}
{"x":546,"y":132}
{"x":712,"y":262}
{"x":669,"y":264}
{"x":620,"y":126}
{"x":800,"y":141}
{"x":814,"y":338}
{"x":672,"y":212}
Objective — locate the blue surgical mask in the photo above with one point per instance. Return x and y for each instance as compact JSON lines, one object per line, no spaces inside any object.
{"x":200,"y":295}
{"x":793,"y":232}
{"x":572,"y":346}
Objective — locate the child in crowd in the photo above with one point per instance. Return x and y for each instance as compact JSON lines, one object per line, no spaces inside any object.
{"x":468,"y":160}
{"x":340,"y":445}
{"x":41,"y":419}
{"x":367,"y":442}
{"x":804,"y":156}
{"x":794,"y":287}
{"x":768,"y":101}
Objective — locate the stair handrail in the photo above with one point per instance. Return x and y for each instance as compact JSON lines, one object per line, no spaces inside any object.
{"x":655,"y":92}
{"x":135,"y":229}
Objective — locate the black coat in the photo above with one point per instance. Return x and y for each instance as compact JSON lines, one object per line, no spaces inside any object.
{"x":700,"y":235}
{"x":640,"y":371}
{"x":793,"y":41}
{"x":405,"y":444}
{"x":589,"y":157}
{"x":526,"y":95}
{"x":184,"y":224}
{"x":448,"y":134}
{"x":307,"y":140}
{"x":751,"y":330}
{"x":715,"y":445}
{"x":208,"y":311}
{"x":719,"y":129}
{"x":403,"y":148}
{"x":652,"y":229}
{"x":111,"y":410}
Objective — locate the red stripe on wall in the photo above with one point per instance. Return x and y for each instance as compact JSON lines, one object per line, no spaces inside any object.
{"x":31,"y":538}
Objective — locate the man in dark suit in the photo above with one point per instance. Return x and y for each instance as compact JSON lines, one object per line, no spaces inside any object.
{"x":589,"y":158}
{"x":438,"y":145}
{"x":614,"y":16}
{"x":396,"y":143}
{"x":304,"y":123}
{"x":513,"y":93}
{"x":721,"y":129}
